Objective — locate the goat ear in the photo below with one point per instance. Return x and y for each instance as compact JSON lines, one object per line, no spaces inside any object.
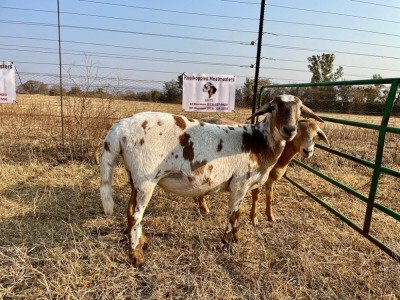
{"x":322,"y":137}
{"x":306,"y":112}
{"x":262,"y":110}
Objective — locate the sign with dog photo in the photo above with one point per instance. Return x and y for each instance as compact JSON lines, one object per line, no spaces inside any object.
{"x":7,"y":82}
{"x":207,"y":93}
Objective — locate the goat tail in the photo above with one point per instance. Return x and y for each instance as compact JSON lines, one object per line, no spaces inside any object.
{"x":109,"y":155}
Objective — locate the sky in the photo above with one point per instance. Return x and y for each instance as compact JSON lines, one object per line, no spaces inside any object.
{"x":153,"y":41}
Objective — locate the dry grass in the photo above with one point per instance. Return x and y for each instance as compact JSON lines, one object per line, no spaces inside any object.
{"x":55,"y":242}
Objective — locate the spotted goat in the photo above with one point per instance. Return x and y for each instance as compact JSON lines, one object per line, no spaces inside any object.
{"x":192,"y":158}
{"x":304,"y":143}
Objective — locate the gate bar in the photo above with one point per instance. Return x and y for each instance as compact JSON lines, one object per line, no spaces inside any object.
{"x":374,"y":240}
{"x":377,"y":166}
{"x":379,"y":155}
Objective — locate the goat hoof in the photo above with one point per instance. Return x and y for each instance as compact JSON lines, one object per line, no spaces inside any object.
{"x":270,"y":218}
{"x":229,"y":248}
{"x":254,"y":221}
{"x":145,"y":244}
{"x":137,"y":262}
{"x":204,"y":211}
{"x":138,"y":265}
{"x":230,"y":238}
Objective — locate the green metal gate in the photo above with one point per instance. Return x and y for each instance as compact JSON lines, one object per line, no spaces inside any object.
{"x":376,"y":166}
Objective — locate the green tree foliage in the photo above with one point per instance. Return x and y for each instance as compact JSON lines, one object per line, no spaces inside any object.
{"x":172,"y":92}
{"x":244,"y":95}
{"x":321,"y":68}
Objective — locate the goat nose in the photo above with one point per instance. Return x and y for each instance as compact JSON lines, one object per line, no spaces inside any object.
{"x":289,"y":130}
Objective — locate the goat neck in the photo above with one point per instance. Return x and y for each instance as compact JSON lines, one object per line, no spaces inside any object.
{"x":271,"y":133}
{"x":264,"y":141}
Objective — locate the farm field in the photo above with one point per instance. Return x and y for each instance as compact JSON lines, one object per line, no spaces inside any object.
{"x":55,"y":242}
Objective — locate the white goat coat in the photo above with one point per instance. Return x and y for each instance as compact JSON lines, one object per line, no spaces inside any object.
{"x":191,"y":158}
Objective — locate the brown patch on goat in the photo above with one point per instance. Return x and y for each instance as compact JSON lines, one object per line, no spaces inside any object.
{"x":198,"y":167}
{"x":188,"y":152}
{"x":219,"y":147}
{"x":254,"y":158}
{"x":159,"y":123}
{"x":136,"y":255}
{"x":231,"y":128}
{"x":141,"y":142}
{"x":106,"y":146}
{"x":233,"y":236}
{"x":201,"y":123}
{"x":144,"y":125}
{"x":180,"y":122}
{"x":206,"y":180}
{"x":191,"y":120}
{"x":190,"y":178}
{"x":210,"y":167}
{"x":256,"y":144}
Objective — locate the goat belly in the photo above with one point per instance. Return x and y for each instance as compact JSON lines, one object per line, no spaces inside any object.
{"x":190,"y":186}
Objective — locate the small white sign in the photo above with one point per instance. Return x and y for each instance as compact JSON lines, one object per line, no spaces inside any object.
{"x":208,"y":93}
{"x":7,"y":82}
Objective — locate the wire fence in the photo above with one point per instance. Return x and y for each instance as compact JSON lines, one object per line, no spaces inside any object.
{"x":94,"y":94}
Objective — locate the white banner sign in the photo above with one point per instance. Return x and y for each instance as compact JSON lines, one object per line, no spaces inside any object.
{"x":207,"y":93}
{"x":7,"y":82}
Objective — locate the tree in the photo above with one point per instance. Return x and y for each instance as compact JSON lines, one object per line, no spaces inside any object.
{"x":129,"y":95}
{"x":344,"y":97}
{"x":321,"y":68}
{"x":32,"y":87}
{"x":180,"y":81}
{"x":99,"y":93}
{"x":246,"y":92}
{"x":43,"y":89}
{"x":172,"y":92}
{"x":55,"y":91}
{"x":75,"y":91}
{"x":155,"y":95}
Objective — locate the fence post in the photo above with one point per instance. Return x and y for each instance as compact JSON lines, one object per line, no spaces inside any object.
{"x":260,"y":34}
{"x":60,"y":67}
{"x":378,"y":157}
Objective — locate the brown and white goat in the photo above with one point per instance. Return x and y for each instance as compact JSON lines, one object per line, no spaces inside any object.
{"x":192,"y":158}
{"x":303,"y":143}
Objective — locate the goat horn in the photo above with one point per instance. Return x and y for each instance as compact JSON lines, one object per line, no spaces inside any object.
{"x":307,"y":112}
{"x":322,"y":136}
{"x":262,"y":110}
